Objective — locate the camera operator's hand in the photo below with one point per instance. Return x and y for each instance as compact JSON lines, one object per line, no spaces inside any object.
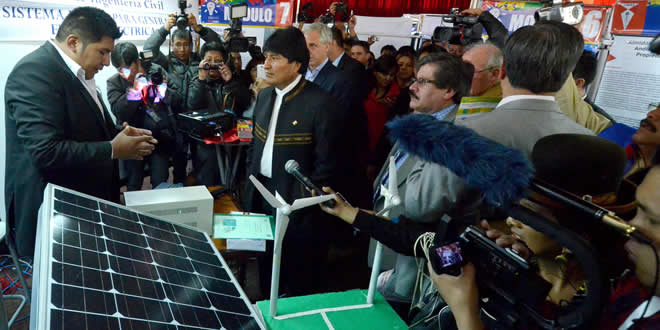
{"x":203,"y":73}
{"x":171,"y":21}
{"x":131,"y":143}
{"x":333,"y":8}
{"x":225,"y":73}
{"x":192,"y":21}
{"x":472,"y":12}
{"x":461,"y":294}
{"x":352,"y":22}
{"x":136,"y":68}
{"x":342,"y":209}
{"x":506,"y":240}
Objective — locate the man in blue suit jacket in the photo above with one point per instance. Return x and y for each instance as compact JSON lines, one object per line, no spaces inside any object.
{"x":343,"y":91}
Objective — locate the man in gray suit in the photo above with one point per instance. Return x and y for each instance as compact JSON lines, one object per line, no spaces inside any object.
{"x":537,"y":62}
{"x":442,"y":80}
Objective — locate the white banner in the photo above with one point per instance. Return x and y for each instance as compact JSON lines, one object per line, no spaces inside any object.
{"x":24,"y":20}
{"x":631,"y":80}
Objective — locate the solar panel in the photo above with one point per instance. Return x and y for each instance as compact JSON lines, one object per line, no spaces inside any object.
{"x":99,"y":265}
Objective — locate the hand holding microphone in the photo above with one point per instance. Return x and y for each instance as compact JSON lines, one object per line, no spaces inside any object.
{"x":292,"y":167}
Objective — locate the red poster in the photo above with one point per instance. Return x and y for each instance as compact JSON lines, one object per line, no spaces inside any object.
{"x":593,"y":23}
{"x":629,"y":17}
{"x":284,"y":13}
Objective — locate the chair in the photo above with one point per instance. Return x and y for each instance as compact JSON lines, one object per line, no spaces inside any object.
{"x":24,"y":298}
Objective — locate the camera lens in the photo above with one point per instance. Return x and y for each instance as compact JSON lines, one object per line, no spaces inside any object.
{"x":181,"y":22}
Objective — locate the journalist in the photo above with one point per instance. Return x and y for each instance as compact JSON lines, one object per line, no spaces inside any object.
{"x":181,"y":64}
{"x":214,"y":88}
{"x":633,"y":303}
{"x":133,"y":99}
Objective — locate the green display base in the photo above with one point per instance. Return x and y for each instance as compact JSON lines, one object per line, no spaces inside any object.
{"x":378,"y":316}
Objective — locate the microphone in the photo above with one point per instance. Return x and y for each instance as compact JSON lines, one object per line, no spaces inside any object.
{"x":588,"y":209}
{"x":501,"y":173}
{"x":292,"y":167}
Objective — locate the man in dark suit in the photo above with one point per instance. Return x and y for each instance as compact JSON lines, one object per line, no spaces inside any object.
{"x":294,"y":119}
{"x":344,"y":91}
{"x":321,"y":71}
{"x":347,"y":64}
{"x":57,"y":127}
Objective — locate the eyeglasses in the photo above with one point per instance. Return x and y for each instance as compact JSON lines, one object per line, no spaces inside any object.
{"x":653,"y":106}
{"x":422,"y":82}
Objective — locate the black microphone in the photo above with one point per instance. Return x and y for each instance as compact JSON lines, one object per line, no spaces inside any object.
{"x":588,"y":209}
{"x":292,"y":167}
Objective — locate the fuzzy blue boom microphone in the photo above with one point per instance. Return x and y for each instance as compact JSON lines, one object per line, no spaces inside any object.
{"x":501,"y":173}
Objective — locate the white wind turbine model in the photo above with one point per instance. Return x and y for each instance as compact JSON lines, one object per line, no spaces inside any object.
{"x":391,"y":195}
{"x":281,"y":223}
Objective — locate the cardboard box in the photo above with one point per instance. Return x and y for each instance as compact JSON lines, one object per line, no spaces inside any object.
{"x":192,"y":206}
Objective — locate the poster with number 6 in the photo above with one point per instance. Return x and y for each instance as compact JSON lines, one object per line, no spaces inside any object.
{"x":593,"y":25}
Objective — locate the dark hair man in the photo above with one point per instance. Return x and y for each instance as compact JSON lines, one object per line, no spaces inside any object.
{"x":360,"y":52}
{"x":183,"y":65}
{"x":57,"y":127}
{"x":584,"y":74}
{"x":429,"y":49}
{"x":550,"y":50}
{"x":129,"y":104}
{"x":346,"y":63}
{"x":646,"y":141}
{"x":388,"y":50}
{"x":441,"y":81}
{"x":214,"y":87}
{"x":294,"y":119}
{"x":585,"y":71}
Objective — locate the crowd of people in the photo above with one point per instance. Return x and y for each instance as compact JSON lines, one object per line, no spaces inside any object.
{"x":325,"y":100}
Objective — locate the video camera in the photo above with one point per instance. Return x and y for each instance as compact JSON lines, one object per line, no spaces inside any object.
{"x":503,"y":276}
{"x":182,"y":18}
{"x":513,"y":294}
{"x":236,"y":43}
{"x":329,"y":19}
{"x":465,"y":29}
{"x":555,"y":10}
{"x":303,"y":15}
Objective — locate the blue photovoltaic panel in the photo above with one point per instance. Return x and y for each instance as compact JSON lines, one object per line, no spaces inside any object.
{"x":114,"y":268}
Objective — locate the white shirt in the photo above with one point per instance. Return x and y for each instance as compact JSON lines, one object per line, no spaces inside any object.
{"x":512,"y":98}
{"x":311,"y":74}
{"x":338,"y":59}
{"x":653,"y":308}
{"x":267,"y":154}
{"x":90,"y":85}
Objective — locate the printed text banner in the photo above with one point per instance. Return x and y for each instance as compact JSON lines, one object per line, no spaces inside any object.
{"x":40,"y":20}
{"x":261,"y":13}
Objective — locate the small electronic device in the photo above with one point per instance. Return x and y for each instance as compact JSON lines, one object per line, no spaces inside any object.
{"x":447,"y":259}
{"x":205,"y":124}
